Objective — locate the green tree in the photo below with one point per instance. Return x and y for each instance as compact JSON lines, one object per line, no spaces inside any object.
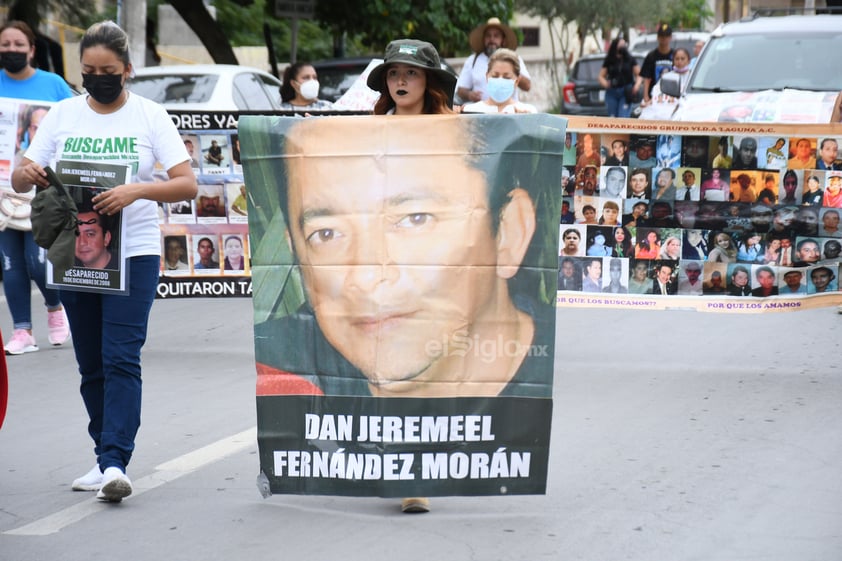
{"x":688,"y":14}
{"x":84,"y":12}
{"x":81,"y":13}
{"x":243,"y":25}
{"x":339,"y":28}
{"x":361,"y":27}
{"x":374,"y":23}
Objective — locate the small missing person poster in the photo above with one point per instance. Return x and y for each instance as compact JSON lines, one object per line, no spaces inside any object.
{"x":99,"y":263}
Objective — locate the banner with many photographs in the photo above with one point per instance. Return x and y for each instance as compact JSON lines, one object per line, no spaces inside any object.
{"x":204,"y":241}
{"x":99,"y":264}
{"x":404,"y":329}
{"x":706,"y":216}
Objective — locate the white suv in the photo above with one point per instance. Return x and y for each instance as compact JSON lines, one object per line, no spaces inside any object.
{"x":766,"y":69}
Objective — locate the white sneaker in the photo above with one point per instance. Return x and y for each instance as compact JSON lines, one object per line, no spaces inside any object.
{"x":115,"y":485}
{"x":21,"y":342}
{"x":91,"y":481}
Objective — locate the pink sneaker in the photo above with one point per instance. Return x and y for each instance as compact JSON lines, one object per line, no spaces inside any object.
{"x":21,"y":342}
{"x":59,"y":330}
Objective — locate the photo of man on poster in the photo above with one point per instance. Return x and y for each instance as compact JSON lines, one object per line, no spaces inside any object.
{"x":97,"y":244}
{"x":415,"y":288}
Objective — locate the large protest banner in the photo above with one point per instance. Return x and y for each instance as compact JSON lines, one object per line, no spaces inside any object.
{"x":404,"y":285}
{"x":719,"y":217}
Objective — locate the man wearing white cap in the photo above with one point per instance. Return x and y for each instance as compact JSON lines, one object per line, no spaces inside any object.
{"x":485,"y":39}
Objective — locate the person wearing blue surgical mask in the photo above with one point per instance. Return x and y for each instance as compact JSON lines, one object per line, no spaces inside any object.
{"x":503,"y":76}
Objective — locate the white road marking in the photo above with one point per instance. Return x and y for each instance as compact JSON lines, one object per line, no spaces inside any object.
{"x":164,"y":473}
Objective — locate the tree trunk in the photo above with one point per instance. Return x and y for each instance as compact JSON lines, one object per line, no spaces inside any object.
{"x":197,"y":17}
{"x":134,"y":23}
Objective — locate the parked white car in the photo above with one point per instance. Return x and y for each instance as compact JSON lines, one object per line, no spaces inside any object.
{"x":210,"y":87}
{"x":767,"y":69}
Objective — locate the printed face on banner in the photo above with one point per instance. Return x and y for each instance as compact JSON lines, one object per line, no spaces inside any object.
{"x":401,"y":257}
{"x":423,"y":246}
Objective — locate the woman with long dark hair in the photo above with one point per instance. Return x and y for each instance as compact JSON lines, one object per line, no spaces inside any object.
{"x":620,"y":78}
{"x":622,"y":243}
{"x":300,"y":89}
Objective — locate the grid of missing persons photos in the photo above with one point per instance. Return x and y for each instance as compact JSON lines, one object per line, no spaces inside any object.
{"x":667,"y":214}
{"x":208,"y":235}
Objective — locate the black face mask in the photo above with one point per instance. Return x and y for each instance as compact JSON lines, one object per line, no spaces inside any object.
{"x":14,"y":62}
{"x":104,"y":88}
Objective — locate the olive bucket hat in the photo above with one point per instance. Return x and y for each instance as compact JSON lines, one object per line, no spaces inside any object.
{"x":414,"y":53}
{"x":54,"y":223}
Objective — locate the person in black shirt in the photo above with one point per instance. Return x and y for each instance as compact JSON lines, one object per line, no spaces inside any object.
{"x":657,"y":61}
{"x":619,"y":78}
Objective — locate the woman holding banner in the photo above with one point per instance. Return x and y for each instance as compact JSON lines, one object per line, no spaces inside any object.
{"x":23,"y":260}
{"x":411,"y":81}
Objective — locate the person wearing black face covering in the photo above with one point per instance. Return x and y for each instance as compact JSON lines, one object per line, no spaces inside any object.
{"x":109,"y":125}
{"x":22,"y":257}
{"x":18,"y":78}
{"x":619,"y":77}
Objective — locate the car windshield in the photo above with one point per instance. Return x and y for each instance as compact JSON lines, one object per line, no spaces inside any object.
{"x":335,"y":81}
{"x":762,"y":62}
{"x":170,"y":88}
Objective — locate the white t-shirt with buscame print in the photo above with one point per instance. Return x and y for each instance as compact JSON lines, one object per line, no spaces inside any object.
{"x":139,"y":134}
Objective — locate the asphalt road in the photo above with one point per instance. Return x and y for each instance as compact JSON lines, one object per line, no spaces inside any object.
{"x":677,"y":435}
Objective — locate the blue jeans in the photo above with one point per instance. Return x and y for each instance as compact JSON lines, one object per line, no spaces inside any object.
{"x":23,"y":262}
{"x":108,"y":332}
{"x":615,"y":102}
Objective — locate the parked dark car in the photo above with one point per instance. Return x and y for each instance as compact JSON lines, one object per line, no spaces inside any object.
{"x":582,"y":94}
{"x":336,"y":75}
